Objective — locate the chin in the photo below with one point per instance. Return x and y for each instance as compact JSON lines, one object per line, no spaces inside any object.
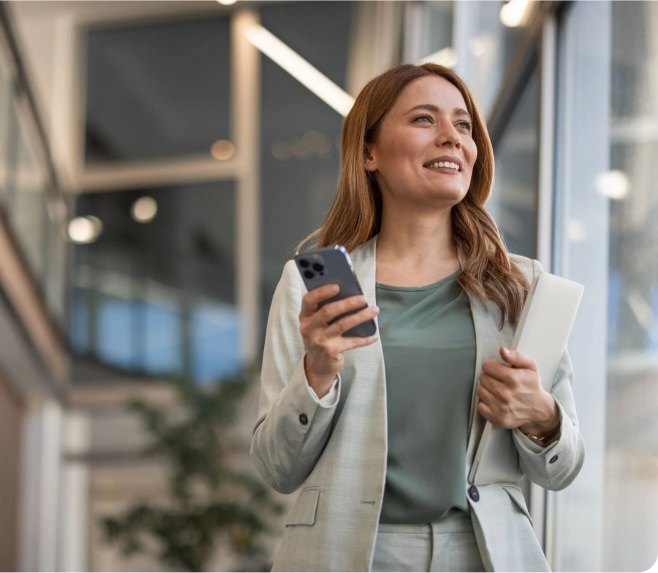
{"x":454,"y":194}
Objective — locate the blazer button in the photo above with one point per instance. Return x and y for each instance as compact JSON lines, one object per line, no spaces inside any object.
{"x":552,"y":460}
{"x":303,"y":419}
{"x":474,"y":493}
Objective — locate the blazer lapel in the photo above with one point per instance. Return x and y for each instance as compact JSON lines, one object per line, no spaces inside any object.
{"x":488,"y":338}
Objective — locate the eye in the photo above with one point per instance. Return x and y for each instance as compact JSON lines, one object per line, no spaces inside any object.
{"x":467,"y":125}
{"x":422,"y":116}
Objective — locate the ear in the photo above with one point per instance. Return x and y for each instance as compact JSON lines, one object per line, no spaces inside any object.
{"x":369,"y":162}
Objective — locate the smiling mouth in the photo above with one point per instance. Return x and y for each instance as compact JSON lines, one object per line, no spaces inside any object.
{"x":443,"y":167}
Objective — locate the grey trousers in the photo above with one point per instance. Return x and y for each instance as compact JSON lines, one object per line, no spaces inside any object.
{"x":447,"y":545}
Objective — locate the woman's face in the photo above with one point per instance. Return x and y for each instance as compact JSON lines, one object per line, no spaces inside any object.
{"x":427,"y":125}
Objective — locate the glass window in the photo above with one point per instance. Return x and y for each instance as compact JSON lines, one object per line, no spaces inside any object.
{"x":300,"y":132}
{"x":607,"y":520}
{"x":162,"y":347}
{"x":513,"y":202}
{"x":439,"y":24}
{"x":215,"y":341}
{"x":28,"y":199}
{"x":486,"y":48}
{"x":161,"y":293}
{"x":631,"y":469}
{"x":5,"y":102}
{"x":160,"y":90}
{"x":115,"y":340}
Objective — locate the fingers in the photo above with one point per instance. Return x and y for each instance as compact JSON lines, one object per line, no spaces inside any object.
{"x":492,"y":387}
{"x":314,"y":322}
{"x":517,"y":360}
{"x":313,"y":298}
{"x":352,"y":320}
{"x":358,"y":341}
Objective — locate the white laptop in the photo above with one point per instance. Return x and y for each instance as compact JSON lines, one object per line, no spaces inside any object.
{"x":542,"y":333}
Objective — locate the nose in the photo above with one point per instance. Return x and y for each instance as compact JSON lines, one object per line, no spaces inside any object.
{"x":448,"y":136}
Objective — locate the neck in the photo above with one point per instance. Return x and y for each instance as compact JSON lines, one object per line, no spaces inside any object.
{"x":416,"y":238}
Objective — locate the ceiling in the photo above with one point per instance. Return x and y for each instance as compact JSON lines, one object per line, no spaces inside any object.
{"x":42,"y":7}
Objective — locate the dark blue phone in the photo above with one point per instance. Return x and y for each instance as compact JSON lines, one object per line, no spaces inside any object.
{"x":332,"y":265}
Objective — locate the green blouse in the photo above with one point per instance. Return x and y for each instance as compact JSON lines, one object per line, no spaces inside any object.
{"x":428,"y":340}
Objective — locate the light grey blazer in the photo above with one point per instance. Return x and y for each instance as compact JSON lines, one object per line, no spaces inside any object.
{"x":338,"y":454}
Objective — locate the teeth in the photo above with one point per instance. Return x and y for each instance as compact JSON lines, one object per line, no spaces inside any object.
{"x":445,"y":164}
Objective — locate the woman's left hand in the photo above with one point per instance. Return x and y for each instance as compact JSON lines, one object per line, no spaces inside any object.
{"x":511,"y":395}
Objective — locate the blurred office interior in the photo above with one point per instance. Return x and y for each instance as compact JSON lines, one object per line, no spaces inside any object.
{"x":159,"y":161}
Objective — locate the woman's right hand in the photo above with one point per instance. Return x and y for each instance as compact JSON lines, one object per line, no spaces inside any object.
{"x":324,"y":343}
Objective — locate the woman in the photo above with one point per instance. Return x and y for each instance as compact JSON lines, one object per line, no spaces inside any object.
{"x":380,"y":433}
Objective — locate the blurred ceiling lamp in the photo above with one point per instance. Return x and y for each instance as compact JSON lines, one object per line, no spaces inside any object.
{"x":85,"y":229}
{"x":613,"y":184}
{"x":300,"y":69}
{"x":300,"y":149}
{"x":479,"y":45}
{"x":317,"y":142}
{"x":446,"y":57}
{"x":222,"y":149}
{"x":144,"y":210}
{"x":281,"y":150}
{"x":227,"y":2}
{"x":515,"y":13}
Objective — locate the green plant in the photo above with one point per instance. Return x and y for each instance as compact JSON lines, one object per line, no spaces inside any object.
{"x":210,"y":503}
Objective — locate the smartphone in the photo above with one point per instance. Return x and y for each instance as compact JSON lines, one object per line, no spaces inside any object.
{"x":332,"y":265}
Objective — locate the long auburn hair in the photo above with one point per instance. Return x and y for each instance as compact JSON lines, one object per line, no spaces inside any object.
{"x":356,"y":213}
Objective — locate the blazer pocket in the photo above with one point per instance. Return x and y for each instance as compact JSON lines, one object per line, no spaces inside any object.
{"x":305,"y":508}
{"x":517,"y":496}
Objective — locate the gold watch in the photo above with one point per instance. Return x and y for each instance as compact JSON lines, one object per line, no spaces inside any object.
{"x":542,"y":440}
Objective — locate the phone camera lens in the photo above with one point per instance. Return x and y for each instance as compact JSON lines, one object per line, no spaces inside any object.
{"x":318,"y":267}
{"x":303,"y":263}
{"x":309,"y":274}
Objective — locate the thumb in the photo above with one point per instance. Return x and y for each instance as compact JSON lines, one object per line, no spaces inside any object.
{"x":516,"y":359}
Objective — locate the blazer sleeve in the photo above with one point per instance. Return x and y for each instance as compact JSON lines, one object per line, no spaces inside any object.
{"x":556,"y":466}
{"x":293,"y":425}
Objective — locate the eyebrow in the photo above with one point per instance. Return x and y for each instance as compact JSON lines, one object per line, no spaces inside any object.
{"x":435,"y":109}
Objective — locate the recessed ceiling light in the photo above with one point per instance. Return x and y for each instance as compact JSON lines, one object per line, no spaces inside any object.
{"x":222,"y":149}
{"x":144,"y":209}
{"x":515,"y":13}
{"x":84,"y":229}
{"x":613,"y":184}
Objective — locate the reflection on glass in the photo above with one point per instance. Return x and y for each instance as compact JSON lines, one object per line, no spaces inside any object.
{"x":513,"y":202}
{"x":215,"y":338}
{"x":114,"y":340}
{"x":428,"y":32}
{"x":439,"y":22}
{"x":158,"y":298}
{"x":5,"y":102}
{"x":28,"y":202}
{"x":631,"y":478}
{"x":79,"y":321}
{"x":488,"y":50}
{"x":161,"y":326}
{"x":159,"y":90}
{"x":300,"y":133}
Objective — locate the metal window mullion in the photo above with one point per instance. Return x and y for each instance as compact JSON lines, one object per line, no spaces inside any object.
{"x":540,"y":506}
{"x":245,"y":129}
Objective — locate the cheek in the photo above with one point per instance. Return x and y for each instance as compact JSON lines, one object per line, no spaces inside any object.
{"x":472,"y":154}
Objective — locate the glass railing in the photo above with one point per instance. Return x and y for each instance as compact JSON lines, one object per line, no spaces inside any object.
{"x":32,"y":206}
{"x":147,"y":328}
